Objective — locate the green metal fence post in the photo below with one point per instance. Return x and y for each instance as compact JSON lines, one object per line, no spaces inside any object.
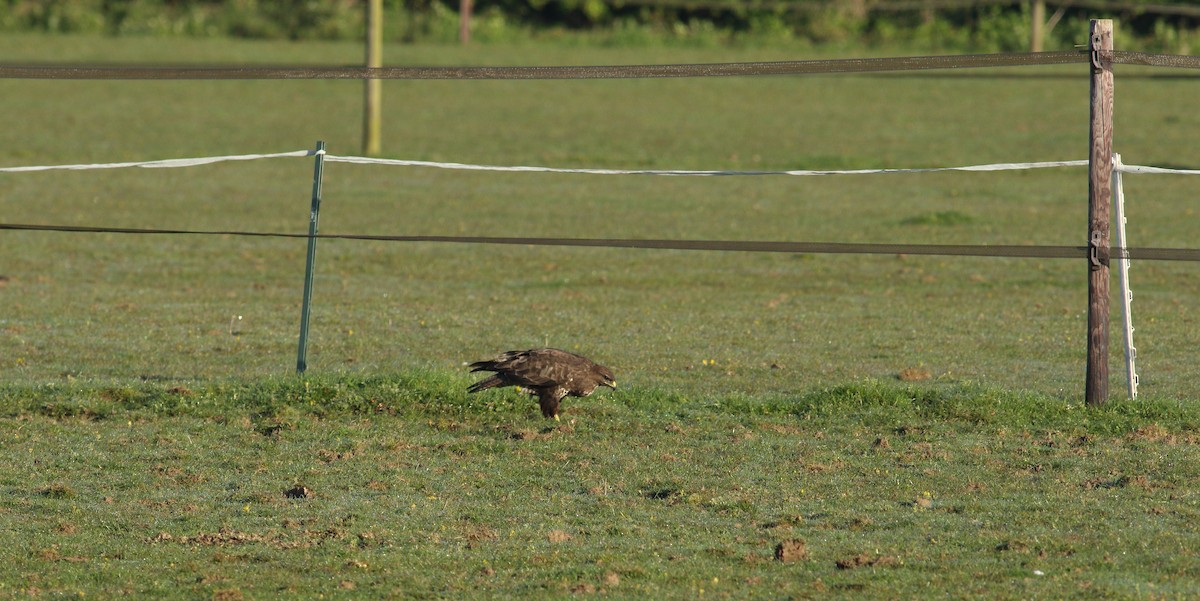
{"x":314,"y":216}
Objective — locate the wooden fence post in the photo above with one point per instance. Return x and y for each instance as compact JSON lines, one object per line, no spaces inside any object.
{"x":372,"y":92}
{"x":1100,"y":49}
{"x":1037,"y":18}
{"x":464,"y":21}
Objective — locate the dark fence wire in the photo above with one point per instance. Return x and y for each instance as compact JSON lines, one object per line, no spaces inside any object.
{"x":958,"y":250}
{"x":894,"y":6}
{"x":583,"y":72}
{"x":812,"y":67}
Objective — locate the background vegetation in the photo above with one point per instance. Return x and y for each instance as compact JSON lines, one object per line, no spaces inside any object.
{"x":976,"y":27}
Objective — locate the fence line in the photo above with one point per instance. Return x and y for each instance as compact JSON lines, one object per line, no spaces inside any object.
{"x":358,"y":160}
{"x":684,"y":172}
{"x":849,"y":65}
{"x":159,"y":164}
{"x":1123,"y":168}
{"x":760,"y":246}
{"x":894,"y":6}
{"x":1100,"y":55}
{"x":715,"y":173}
{"x":982,"y":250}
{"x":811,"y":67}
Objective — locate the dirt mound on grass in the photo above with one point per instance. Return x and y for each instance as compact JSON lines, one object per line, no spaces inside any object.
{"x":866,"y":560}
{"x":791,"y":550}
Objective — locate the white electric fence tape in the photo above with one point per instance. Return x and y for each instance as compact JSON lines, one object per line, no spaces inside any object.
{"x":193,"y":162}
{"x":683,"y":172}
{"x":162,"y":164}
{"x":1143,"y":169}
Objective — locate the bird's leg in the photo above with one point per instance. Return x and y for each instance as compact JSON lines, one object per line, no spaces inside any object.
{"x":548,"y":401}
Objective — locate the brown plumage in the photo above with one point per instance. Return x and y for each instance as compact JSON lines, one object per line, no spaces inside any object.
{"x":549,"y":373}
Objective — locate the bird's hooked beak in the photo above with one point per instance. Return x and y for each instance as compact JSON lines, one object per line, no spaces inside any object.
{"x":611,"y":384}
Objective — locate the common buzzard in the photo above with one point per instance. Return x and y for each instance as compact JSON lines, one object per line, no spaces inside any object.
{"x":549,"y":373}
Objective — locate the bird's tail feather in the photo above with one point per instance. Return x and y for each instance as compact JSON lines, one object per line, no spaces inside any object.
{"x":483,"y":366}
{"x":486,"y":383}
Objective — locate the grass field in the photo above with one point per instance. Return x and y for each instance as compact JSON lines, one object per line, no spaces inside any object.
{"x":408,"y":488}
{"x":149,"y":435}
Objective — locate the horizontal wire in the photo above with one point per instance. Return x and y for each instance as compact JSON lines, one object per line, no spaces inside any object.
{"x":978,"y":250}
{"x":198,"y":161}
{"x":161,"y":163}
{"x":708,"y":172}
{"x":1156,"y":60}
{"x":851,"y":65}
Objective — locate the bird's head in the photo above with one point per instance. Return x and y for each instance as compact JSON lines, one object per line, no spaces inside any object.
{"x":606,"y":377}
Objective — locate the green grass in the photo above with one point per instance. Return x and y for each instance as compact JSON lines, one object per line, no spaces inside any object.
{"x":148,"y":443}
{"x":111,"y":306}
{"x":939,"y":218}
{"x":414,"y":489}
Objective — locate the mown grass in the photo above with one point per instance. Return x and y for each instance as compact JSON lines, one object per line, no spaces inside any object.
{"x":157,"y":307}
{"x":150,"y":435}
{"x":412,"y":489}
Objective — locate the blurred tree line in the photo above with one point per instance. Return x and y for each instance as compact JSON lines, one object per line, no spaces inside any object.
{"x":975,"y":25}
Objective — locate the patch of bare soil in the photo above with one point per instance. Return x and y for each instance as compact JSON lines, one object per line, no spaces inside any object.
{"x":1141,"y":482}
{"x":298,"y":491}
{"x":227,"y":538}
{"x":523,"y":434}
{"x":791,"y":550}
{"x":914,"y":374}
{"x":1159,"y":434}
{"x":477,"y":534}
{"x":531,"y":434}
{"x":866,"y":560}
